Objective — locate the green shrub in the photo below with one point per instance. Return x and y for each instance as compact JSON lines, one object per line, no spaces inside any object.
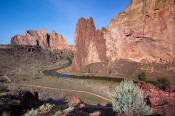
{"x":142,"y":76}
{"x":46,"y":107}
{"x":69,"y":109}
{"x":155,"y":83}
{"x":42,"y":108}
{"x":161,"y":83}
{"x":128,"y":98}
{"x":88,"y":67}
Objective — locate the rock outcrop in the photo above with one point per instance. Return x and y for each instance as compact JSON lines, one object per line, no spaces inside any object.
{"x":52,"y":41}
{"x":162,"y":103}
{"x":75,"y":101}
{"x":144,"y":33}
{"x":89,"y":44}
{"x":57,"y":41}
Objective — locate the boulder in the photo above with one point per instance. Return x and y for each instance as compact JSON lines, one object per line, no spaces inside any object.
{"x":162,"y":102}
{"x":75,"y":101}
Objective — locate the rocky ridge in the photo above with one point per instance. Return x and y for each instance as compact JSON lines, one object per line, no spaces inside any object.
{"x":144,"y":33}
{"x":52,"y":41}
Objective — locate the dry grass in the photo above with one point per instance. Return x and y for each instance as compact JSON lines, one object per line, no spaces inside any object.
{"x":29,"y":71}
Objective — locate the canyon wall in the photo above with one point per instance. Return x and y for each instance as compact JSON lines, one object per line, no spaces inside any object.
{"x":52,"y":41}
{"x":144,"y":33}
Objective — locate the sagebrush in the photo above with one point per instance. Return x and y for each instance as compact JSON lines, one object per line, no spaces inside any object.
{"x":128,"y":98}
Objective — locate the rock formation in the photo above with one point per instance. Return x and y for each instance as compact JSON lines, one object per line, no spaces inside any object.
{"x":41,"y":38}
{"x":57,"y":41}
{"x":89,"y":44}
{"x":75,"y":101}
{"x":162,"y":103}
{"x":144,"y":32}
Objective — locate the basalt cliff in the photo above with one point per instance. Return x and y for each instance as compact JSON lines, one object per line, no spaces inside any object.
{"x":143,"y":33}
{"x":51,"y":41}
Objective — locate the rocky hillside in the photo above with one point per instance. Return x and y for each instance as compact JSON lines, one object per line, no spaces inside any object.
{"x":144,"y":33}
{"x":51,"y":41}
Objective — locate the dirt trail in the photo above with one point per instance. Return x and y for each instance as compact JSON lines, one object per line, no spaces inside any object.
{"x":71,"y":90}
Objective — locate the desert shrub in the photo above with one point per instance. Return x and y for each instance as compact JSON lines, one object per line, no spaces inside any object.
{"x":88,"y":67}
{"x":128,"y":98}
{"x":109,"y":71}
{"x":142,"y":76}
{"x":42,"y":108}
{"x":46,"y":107}
{"x":69,"y":109}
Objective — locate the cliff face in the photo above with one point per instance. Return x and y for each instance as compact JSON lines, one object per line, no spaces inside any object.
{"x":89,"y":44}
{"x":144,"y":32}
{"x":47,"y":41}
{"x":57,"y":41}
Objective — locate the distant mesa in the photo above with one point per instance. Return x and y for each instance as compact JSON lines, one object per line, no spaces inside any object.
{"x":144,"y":33}
{"x":48,"y":41}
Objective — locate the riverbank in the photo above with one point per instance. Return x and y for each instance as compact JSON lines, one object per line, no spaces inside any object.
{"x":56,"y":73}
{"x":29,"y":71}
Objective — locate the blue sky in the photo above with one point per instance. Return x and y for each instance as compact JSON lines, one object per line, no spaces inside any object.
{"x":17,"y":16}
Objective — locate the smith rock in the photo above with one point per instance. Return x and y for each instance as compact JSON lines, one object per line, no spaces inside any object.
{"x":144,"y":33}
{"x":52,"y":41}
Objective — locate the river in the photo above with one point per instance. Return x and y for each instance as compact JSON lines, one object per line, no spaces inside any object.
{"x":61,"y":75}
